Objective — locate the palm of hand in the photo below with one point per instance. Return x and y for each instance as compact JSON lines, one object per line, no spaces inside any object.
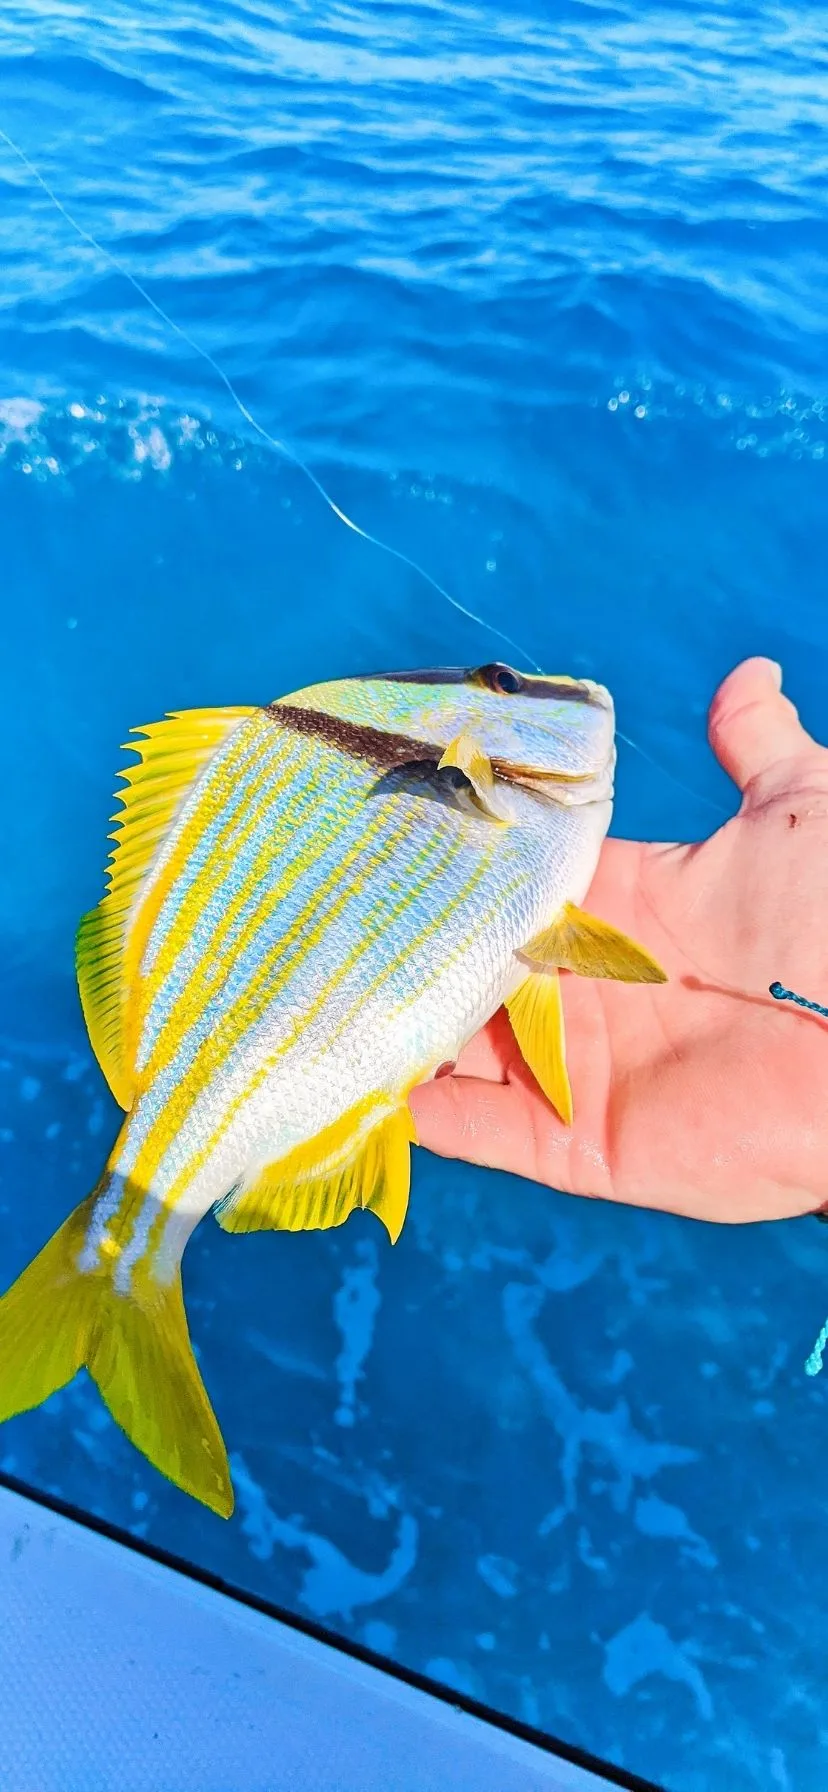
{"x":703,"y":1095}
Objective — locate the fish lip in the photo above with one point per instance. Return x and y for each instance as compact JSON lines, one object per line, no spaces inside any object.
{"x":585,"y":786}
{"x":521,"y":774}
{"x":571,"y":792}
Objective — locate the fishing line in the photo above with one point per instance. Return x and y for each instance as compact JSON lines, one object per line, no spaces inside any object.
{"x":273,"y":442}
{"x":815,"y":1360}
{"x":813,"y":1365}
{"x":284,"y":449}
{"x":709,"y":801}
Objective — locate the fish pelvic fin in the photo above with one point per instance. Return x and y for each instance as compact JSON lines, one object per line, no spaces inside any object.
{"x":58,"y":1318}
{"x":362,"y":1160}
{"x":536,"y":1013}
{"x":591,"y":948}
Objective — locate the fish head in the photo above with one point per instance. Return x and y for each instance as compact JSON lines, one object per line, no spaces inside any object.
{"x":553,"y":734}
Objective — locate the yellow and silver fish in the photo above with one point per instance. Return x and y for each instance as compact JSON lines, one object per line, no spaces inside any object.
{"x":311,"y":907}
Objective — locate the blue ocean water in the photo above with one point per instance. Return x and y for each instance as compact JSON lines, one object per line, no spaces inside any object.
{"x":538,"y":290}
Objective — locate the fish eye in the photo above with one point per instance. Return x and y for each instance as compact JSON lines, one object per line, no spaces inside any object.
{"x":501,"y":678}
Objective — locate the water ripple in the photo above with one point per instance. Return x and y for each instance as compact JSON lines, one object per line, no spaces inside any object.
{"x":611,"y":181}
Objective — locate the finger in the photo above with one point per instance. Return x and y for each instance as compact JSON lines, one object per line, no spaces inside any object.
{"x":479,"y":1121}
{"x":508,"y":1127}
{"x":751,"y":726}
{"x":490,"y":1053}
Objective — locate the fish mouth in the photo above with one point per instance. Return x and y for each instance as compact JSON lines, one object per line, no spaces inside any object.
{"x":570,"y":788}
{"x":531,"y":774}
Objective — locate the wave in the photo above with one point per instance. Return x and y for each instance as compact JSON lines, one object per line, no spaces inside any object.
{"x":35,"y":73}
{"x":143,"y":437}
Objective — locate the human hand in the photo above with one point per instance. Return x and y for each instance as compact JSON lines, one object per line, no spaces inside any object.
{"x":703,"y":1095}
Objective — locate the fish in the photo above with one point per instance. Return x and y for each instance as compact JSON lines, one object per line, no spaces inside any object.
{"x":311,"y":906}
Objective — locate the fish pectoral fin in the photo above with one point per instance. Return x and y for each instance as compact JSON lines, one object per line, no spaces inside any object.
{"x":464,"y":755}
{"x":581,"y":943}
{"x":354,"y":1163}
{"x":171,"y":757}
{"x":536,"y":1013}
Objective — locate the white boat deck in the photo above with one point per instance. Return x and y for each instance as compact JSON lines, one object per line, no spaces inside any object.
{"x":119,"y":1672}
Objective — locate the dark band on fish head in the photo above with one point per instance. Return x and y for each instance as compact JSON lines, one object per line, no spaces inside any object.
{"x":378,"y":748}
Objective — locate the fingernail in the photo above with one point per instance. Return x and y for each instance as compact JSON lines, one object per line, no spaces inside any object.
{"x":777,"y":673}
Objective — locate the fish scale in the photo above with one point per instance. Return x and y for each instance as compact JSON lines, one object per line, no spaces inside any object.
{"x":310,"y":908}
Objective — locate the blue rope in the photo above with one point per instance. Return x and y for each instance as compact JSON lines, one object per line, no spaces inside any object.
{"x":787,"y":995}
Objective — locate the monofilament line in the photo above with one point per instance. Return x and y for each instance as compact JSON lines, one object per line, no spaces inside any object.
{"x":272,"y":441}
{"x":781,"y":994}
{"x":284,"y":449}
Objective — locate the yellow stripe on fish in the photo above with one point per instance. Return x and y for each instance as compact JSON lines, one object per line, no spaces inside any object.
{"x":264,"y":1070}
{"x":265,"y":984}
{"x":213,"y":966}
{"x":309,"y":908}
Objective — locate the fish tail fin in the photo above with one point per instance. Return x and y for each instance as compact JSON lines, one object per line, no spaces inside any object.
{"x":45,"y":1321}
{"x":59,"y":1318}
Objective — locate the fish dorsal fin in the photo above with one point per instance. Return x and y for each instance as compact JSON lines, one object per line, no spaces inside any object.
{"x":357,"y":1162}
{"x":591,"y":948}
{"x":171,"y":756}
{"x":536,"y":1013}
{"x":466,"y":756}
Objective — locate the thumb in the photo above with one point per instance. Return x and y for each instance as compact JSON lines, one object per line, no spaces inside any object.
{"x":751,"y":726}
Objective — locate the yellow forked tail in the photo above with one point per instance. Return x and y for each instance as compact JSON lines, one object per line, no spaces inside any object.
{"x":57,"y":1319}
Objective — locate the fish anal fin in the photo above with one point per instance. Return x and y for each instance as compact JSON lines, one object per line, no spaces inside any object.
{"x":590,"y":947}
{"x":362,"y":1161}
{"x":465,"y":755}
{"x":172,"y":754}
{"x":536,"y":1013}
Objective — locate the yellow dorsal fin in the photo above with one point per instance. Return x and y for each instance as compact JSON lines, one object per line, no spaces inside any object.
{"x":171,"y":756}
{"x":464,"y":754}
{"x":536,"y":1013}
{"x":591,"y":948}
{"x":358,"y":1162}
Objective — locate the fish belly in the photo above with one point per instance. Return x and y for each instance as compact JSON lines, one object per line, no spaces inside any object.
{"x":396,"y":1019}
{"x":407,"y":1001}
